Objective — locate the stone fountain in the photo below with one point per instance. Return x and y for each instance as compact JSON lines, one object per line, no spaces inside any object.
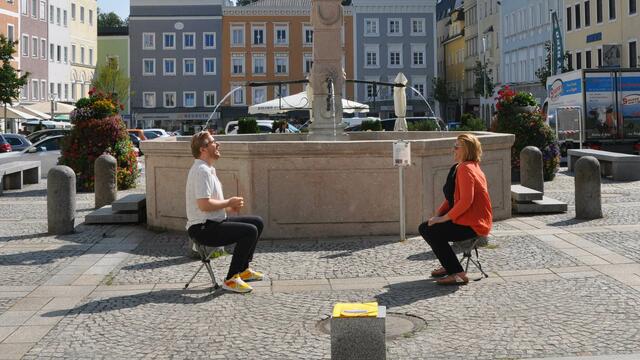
{"x":324,"y":184}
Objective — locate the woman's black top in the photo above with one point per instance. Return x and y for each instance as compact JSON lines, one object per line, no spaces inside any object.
{"x":450,"y":186}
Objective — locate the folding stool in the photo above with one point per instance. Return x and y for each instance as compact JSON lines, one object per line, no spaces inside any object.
{"x":467,"y":247}
{"x":205,"y":258}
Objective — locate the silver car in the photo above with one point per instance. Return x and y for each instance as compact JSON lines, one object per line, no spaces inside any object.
{"x":47,"y":151}
{"x":18,"y":142}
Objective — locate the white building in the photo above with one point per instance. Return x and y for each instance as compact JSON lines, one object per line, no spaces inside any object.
{"x":59,"y":50}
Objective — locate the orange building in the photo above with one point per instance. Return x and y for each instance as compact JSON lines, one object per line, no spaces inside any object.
{"x":9,"y":23}
{"x":270,"y":41}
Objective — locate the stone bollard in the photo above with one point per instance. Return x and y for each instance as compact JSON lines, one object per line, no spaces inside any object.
{"x":358,"y":337}
{"x":106,"y":188}
{"x":587,"y":188}
{"x":61,"y":200}
{"x":531,"y":173}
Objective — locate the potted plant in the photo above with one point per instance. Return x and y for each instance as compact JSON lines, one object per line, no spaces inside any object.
{"x":524,"y":102}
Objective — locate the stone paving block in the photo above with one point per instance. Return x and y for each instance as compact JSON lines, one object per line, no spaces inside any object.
{"x":546,"y":231}
{"x":73,"y":270}
{"x":99,"y":270}
{"x":537,"y":277}
{"x":6,"y":331}
{"x":524,"y":272}
{"x":357,"y":284}
{"x":17,"y":317}
{"x":32,"y":304}
{"x":14,"y":351}
{"x":62,"y":291}
{"x":28,"y":334}
{"x":131,"y":202}
{"x":124,"y":287}
{"x":61,"y":279}
{"x":576,"y":252}
{"x":61,"y":303}
{"x":592,"y":260}
{"x":117,"y":293}
{"x":17,"y":288}
{"x":617,"y":259}
{"x":88,"y":280}
{"x":46,"y":317}
{"x":12,"y":294}
{"x":570,"y":269}
{"x":580,"y":274}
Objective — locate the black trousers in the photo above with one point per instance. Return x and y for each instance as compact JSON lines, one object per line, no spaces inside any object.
{"x":244,"y":231}
{"x":438,"y":237}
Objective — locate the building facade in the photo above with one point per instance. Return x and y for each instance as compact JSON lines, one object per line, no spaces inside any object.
{"x":272,"y":41}
{"x":10,"y":25}
{"x":392,"y":38}
{"x":472,"y":43}
{"x":489,"y":52}
{"x":34,"y":49}
{"x":84,"y":44}
{"x":175,"y":62}
{"x":59,"y":48}
{"x":453,"y":49}
{"x":113,"y":43}
{"x":526,"y":27}
{"x":602,"y":33}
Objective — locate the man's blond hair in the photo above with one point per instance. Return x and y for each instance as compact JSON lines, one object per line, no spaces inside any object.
{"x":471,"y":147}
{"x":198,"y":141}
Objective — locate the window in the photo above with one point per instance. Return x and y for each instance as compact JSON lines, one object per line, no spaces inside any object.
{"x":259,"y":64}
{"x":587,"y":58}
{"x":237,"y":35}
{"x":189,"y":99}
{"x":10,"y":32}
{"x":632,"y":7}
{"x":66,"y":55}
{"x":58,"y":53}
{"x":169,"y":99}
{"x":307,"y":32}
{"x":600,"y":57}
{"x":238,"y":95}
{"x":281,"y":34}
{"x":420,"y":84}
{"x":51,"y":14}
{"x":148,"y":67}
{"x":169,"y":67}
{"x":418,"y":27}
{"x":73,"y":12}
{"x":210,"y":99}
{"x":577,"y":8}
{"x":570,"y":61}
{"x":569,"y":18}
{"x":34,"y":14}
{"x":633,"y":54}
{"x":43,"y":89}
{"x":395,"y":55}
{"x":23,"y":6}
{"x":34,"y":89}
{"x":598,"y":11}
{"x":43,"y":48}
{"x":371,"y":91}
{"x":394,"y":27}
{"x":82,"y":14}
{"x":149,"y":99}
{"x":81,"y":55}
{"x":209,"y":40}
{"x":257,"y":37}
{"x":43,"y":11}
{"x":35,"y":45}
{"x":209,"y":66}
{"x":90,"y":56}
{"x":282,"y":64}
{"x":148,"y":41}
{"x":64,"y":17}
{"x":587,"y":13}
{"x":189,"y":40}
{"x":259,"y":94}
{"x":52,"y":52}
{"x":25,"y":45}
{"x":281,"y":90}
{"x":418,"y":55}
{"x":58,"y":16}
{"x":612,"y":9}
{"x":371,"y":55}
{"x":308,"y":62}
{"x":91,"y":17}
{"x":73,"y":53}
{"x":371,"y":27}
{"x":237,"y":64}
{"x":188,"y":66}
{"x":169,"y":41}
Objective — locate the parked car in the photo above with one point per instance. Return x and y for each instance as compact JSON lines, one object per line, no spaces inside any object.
{"x":136,"y":143}
{"x":34,"y":137}
{"x":160,"y":132}
{"x":4,"y":145}
{"x":388,"y":124}
{"x":266,"y":126}
{"x":137,"y":132}
{"x":47,"y":151}
{"x":18,"y":142}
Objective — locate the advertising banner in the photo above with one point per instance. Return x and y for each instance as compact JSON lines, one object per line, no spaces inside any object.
{"x":556,"y":47}
{"x":630,"y":104}
{"x":601,"y":118}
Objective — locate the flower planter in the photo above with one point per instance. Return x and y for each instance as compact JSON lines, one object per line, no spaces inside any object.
{"x":524,"y":109}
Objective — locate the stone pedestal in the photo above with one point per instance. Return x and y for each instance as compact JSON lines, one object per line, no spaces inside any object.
{"x":61,"y":200}
{"x":106,"y":188}
{"x":359,"y":337}
{"x":587,"y":188}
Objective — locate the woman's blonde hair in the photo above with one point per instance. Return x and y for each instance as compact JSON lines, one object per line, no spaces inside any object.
{"x":471,"y":147}
{"x":199,"y":141}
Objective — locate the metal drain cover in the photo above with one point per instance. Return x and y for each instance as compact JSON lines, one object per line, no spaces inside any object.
{"x":396,"y":325}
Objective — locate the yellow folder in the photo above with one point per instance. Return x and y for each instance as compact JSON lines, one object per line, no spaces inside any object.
{"x":341,"y":310}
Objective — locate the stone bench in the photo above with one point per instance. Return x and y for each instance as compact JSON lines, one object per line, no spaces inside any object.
{"x":621,"y":167}
{"x":15,"y":174}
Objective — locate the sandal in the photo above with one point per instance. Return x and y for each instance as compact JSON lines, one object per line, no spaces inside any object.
{"x":439,"y":272}
{"x":455,"y":279}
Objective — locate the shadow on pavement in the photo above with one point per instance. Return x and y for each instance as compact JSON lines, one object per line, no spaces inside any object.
{"x":407,"y":293}
{"x":22,"y":237}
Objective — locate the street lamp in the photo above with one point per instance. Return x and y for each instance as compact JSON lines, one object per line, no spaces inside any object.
{"x":52,"y":97}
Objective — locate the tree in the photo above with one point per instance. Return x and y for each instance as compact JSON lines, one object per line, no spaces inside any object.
{"x":10,"y":80}
{"x":484,"y":77}
{"x":110,"y":80}
{"x":110,"y":20}
{"x":545,"y":71}
{"x":441,"y":93}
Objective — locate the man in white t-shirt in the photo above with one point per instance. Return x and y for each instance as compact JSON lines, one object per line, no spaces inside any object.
{"x":207,"y":220}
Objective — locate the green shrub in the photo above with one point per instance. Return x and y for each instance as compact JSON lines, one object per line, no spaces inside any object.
{"x":248,"y":125}
{"x":276,"y":125}
{"x":471,"y":123}
{"x":371,"y":125}
{"x":424,"y":125}
{"x":98,"y":130}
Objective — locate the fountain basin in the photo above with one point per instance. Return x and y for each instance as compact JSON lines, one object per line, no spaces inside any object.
{"x":311,"y":189}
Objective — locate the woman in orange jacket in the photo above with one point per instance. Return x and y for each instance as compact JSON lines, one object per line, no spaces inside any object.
{"x":464,"y":214}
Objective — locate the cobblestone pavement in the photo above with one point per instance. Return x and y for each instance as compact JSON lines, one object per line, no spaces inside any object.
{"x":557,"y":287}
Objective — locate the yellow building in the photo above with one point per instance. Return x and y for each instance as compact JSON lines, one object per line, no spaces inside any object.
{"x":83,"y":30}
{"x":454,"y":65}
{"x":603,"y":34}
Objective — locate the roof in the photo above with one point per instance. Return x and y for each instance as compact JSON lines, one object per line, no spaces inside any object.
{"x":445,"y":7}
{"x":280,"y":3}
{"x":113,"y":30}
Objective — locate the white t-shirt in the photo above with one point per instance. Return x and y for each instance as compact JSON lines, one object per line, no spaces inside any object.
{"x":202,"y":183}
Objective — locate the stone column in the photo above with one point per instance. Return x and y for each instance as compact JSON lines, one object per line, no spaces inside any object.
{"x":327,"y":21}
{"x":531,"y":173}
{"x":61,"y":200}
{"x":105,"y":187}
{"x":587,"y":188}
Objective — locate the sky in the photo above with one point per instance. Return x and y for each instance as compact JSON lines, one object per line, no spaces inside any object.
{"x":120,"y":7}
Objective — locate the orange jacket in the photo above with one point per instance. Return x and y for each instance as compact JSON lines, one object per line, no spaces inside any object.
{"x":471,"y":202}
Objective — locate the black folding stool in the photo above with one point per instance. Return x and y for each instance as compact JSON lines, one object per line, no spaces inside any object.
{"x":205,"y":258}
{"x":467,"y":247}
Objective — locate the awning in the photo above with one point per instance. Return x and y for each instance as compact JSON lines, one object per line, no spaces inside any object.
{"x":300,"y":101}
{"x":16,"y":114}
{"x":45,"y":107}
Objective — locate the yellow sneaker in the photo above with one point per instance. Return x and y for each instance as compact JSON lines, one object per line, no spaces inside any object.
{"x":251,"y":275}
{"x":237,"y":285}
